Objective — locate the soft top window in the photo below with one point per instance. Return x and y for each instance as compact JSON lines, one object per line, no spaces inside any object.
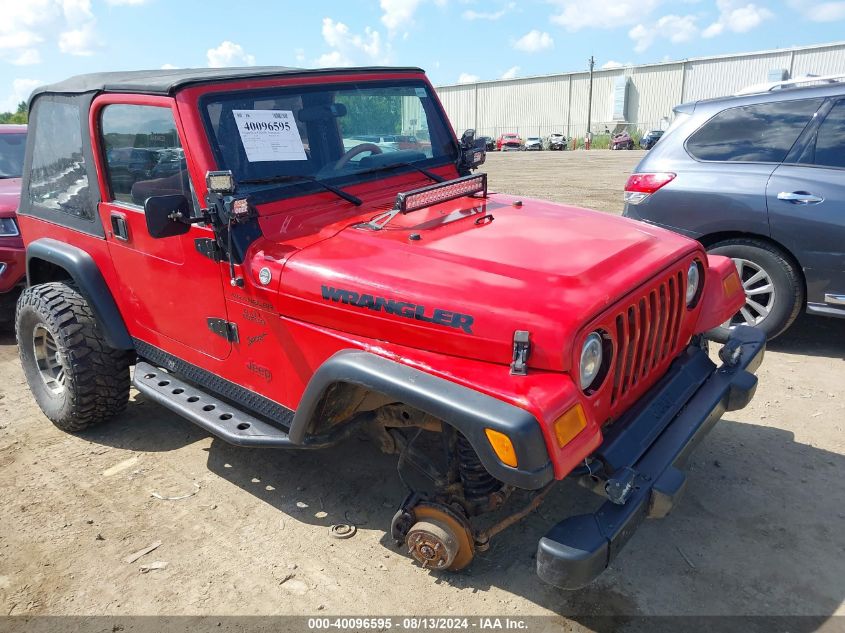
{"x":343,"y":131}
{"x":58,"y":180}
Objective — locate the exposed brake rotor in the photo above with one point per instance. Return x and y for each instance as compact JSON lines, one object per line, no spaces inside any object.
{"x":440,"y":538}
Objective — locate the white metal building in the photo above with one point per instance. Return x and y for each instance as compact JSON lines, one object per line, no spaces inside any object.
{"x":641,"y":97}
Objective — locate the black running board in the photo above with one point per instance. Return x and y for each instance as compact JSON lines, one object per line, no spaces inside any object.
{"x":212,"y":414}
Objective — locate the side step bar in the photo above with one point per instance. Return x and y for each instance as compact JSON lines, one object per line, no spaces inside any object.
{"x":217,"y":417}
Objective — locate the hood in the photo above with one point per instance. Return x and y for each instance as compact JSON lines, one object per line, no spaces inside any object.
{"x":460,"y":277}
{"x":10,"y":196}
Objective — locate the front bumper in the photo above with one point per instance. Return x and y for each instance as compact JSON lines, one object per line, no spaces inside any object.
{"x":12,"y":264}
{"x":641,"y":455}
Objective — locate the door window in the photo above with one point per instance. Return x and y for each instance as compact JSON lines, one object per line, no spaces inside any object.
{"x":828,"y":149}
{"x":761,"y":133}
{"x":143,"y":154}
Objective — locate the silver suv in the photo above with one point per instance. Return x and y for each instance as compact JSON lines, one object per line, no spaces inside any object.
{"x":758,"y":177}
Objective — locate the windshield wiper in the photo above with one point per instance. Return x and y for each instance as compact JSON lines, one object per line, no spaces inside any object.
{"x":304,"y":178}
{"x":430,"y":174}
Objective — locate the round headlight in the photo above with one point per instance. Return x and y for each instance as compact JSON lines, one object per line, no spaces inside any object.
{"x":693,"y":281}
{"x":591,"y":357}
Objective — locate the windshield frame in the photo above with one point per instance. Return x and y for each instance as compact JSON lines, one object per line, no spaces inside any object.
{"x":271,"y":192}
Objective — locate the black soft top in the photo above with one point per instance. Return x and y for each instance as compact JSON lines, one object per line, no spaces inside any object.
{"x":169,"y":81}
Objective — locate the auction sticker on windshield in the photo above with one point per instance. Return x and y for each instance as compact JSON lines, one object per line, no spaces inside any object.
{"x":269,"y":135}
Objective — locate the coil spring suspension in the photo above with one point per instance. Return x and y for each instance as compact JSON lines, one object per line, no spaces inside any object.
{"x":477,"y":482}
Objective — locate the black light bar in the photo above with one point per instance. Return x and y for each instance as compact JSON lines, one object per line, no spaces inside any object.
{"x":440,"y":192}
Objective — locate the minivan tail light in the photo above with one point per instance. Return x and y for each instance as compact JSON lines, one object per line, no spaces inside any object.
{"x":641,"y":186}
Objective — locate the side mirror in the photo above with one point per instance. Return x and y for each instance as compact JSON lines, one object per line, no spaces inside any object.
{"x":165,"y":215}
{"x":468,"y":139}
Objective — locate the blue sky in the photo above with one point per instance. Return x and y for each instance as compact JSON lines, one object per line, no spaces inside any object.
{"x":454,"y":40}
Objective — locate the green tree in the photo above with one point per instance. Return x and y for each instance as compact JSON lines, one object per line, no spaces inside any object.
{"x":20,"y":116}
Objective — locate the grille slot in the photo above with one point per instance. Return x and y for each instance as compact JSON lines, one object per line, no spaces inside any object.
{"x":646,"y":332}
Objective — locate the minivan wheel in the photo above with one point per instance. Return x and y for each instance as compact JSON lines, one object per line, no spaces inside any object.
{"x":76,"y":378}
{"x":773,"y":286}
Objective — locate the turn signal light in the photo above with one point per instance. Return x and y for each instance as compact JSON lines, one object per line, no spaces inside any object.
{"x":731,"y":285}
{"x":502,"y":446}
{"x":570,"y":424}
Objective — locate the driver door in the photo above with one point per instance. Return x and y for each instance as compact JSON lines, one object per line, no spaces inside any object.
{"x":167,"y":289}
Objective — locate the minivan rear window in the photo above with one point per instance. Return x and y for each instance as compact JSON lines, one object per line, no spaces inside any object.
{"x":760,"y":133}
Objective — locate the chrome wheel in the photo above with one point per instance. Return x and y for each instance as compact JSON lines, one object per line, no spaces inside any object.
{"x":48,"y":359}
{"x":759,"y":294}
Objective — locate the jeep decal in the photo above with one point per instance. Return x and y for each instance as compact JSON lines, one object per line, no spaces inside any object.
{"x":401,"y":308}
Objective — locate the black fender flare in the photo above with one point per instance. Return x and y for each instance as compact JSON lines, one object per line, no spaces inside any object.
{"x":468,"y":410}
{"x":87,"y":276}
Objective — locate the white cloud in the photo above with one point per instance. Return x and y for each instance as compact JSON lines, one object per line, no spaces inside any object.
{"x":471,"y":14}
{"x":229,"y":54}
{"x":612,"y":65}
{"x":398,"y":15}
{"x":534,"y":41}
{"x":510,"y":73}
{"x":607,"y":14}
{"x":349,"y":48}
{"x":79,"y":41}
{"x":27,"y":57}
{"x":675,"y":28}
{"x":19,"y":40}
{"x":737,"y":18}
{"x":21,"y":89}
{"x":168,"y":67}
{"x":28,"y":25}
{"x":467,"y":78}
{"x":299,"y":55}
{"x":819,"y":11}
{"x":126,"y":2}
{"x":333,"y":59}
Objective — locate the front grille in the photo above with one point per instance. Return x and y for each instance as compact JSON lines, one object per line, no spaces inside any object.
{"x":646,"y":333}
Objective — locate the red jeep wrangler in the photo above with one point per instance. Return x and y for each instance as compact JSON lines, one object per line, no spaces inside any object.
{"x":282,"y":289}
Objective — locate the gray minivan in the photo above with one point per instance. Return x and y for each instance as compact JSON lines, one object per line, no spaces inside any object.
{"x":759,"y":178}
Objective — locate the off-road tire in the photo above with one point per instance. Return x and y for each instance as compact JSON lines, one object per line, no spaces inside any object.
{"x":786,"y":280}
{"x":96,"y":377}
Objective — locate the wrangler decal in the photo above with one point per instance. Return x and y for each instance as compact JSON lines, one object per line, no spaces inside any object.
{"x":400,"y":308}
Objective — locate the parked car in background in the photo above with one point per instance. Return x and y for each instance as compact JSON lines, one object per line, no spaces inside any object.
{"x":405,"y":141}
{"x":556,"y":142}
{"x":508,"y":142}
{"x":12,"y":259}
{"x":622,"y":140}
{"x":533,"y":143}
{"x":759,"y":178}
{"x":489,"y":143}
{"x":650,"y":139}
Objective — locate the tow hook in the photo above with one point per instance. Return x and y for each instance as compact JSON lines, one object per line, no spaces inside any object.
{"x":619,"y":488}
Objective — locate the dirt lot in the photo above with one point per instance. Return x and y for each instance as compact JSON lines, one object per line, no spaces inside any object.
{"x":760,"y":531}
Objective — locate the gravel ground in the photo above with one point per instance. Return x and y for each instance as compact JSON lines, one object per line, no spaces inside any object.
{"x":761,"y":530}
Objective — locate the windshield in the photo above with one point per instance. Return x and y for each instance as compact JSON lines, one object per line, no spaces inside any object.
{"x":12,"y":147}
{"x":344,"y":132}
